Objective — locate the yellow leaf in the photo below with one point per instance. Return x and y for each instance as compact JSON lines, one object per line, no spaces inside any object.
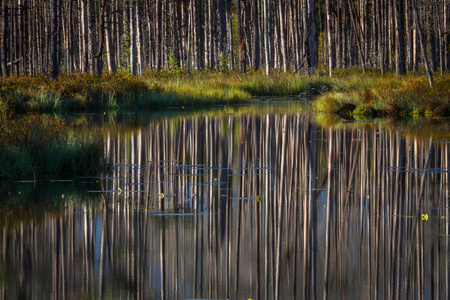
{"x":259,"y":198}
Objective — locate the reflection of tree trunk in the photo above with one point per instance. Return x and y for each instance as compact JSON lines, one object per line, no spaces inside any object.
{"x":328,"y":216}
{"x":162,"y":257}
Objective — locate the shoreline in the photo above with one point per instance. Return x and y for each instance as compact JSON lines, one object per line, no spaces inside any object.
{"x":351,"y":93}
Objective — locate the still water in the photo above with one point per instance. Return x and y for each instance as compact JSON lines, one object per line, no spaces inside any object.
{"x":238,"y":203}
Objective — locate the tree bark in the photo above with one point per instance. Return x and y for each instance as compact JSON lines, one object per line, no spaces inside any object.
{"x":266,"y":36}
{"x":133,"y":33}
{"x":312,"y":51}
{"x":55,"y":25}
{"x":400,"y":62}
{"x":422,"y":45}
{"x":283,"y":35}
{"x":110,"y":53}
{"x":223,"y":27}
{"x":101,"y":37}
{"x":255,"y":41}
{"x":432,"y":37}
{"x":4,"y":49}
{"x":83,"y":36}
{"x":200,"y":35}
{"x":158,"y":28}
{"x":330,"y":43}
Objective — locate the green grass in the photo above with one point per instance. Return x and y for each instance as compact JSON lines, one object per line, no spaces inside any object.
{"x":375,"y":95}
{"x":370,"y":93}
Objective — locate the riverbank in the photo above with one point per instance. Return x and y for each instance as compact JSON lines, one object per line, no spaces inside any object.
{"x":349,"y":93}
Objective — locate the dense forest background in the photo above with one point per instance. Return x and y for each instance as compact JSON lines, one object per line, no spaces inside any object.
{"x":289,"y":35}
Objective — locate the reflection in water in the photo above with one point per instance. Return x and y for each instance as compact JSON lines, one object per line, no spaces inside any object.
{"x":258,"y":206}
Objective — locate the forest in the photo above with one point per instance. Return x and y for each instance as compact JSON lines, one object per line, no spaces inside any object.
{"x":39,"y":36}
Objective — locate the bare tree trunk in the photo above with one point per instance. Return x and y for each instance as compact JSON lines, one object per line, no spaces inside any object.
{"x":331,"y":50}
{"x":422,"y":45}
{"x":110,"y":53}
{"x":223,"y":27}
{"x":158,"y":28}
{"x":241,"y":38}
{"x":200,"y":35}
{"x":255,"y":41}
{"x":432,"y":37}
{"x":312,"y":51}
{"x":55,"y":25}
{"x":267,"y":53}
{"x":138,"y":39}
{"x":283,"y":34}
{"x":3,"y":47}
{"x":101,"y":38}
{"x":133,"y":33}
{"x":381,"y":38}
{"x":83,"y":43}
{"x":400,"y":62}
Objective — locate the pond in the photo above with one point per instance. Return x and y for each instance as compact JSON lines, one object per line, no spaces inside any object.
{"x":261,"y":202}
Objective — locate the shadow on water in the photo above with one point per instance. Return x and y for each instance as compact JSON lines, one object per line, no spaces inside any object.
{"x":262,"y":203}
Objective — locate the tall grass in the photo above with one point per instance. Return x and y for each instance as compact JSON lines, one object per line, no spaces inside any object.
{"x":387,"y":95}
{"x":368,"y":92}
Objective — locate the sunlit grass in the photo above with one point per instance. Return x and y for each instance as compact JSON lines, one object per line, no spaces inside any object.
{"x":370,"y":92}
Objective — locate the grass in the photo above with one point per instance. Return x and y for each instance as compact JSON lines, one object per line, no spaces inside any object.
{"x":351,"y":92}
{"x":371,"y":94}
{"x":41,"y":145}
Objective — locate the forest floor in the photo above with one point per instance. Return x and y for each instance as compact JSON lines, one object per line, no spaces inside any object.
{"x":350,"y":93}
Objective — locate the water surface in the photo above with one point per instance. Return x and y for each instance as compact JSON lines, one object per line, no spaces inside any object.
{"x":260,"y":202}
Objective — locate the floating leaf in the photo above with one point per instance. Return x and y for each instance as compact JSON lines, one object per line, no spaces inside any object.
{"x":425,"y":217}
{"x":162,"y":195}
{"x":120,"y":191}
{"x":259,"y":198}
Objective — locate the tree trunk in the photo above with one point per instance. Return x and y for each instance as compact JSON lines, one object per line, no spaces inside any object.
{"x":158,"y":28}
{"x":400,"y":62}
{"x":312,"y":51}
{"x":55,"y":25}
{"x":381,"y":37}
{"x":110,"y":53}
{"x":83,"y":42}
{"x":133,"y":33}
{"x":255,"y":41}
{"x":422,"y":45}
{"x":223,"y":27}
{"x":283,"y":35}
{"x":266,"y":35}
{"x":139,"y":58}
{"x":101,"y":37}
{"x":200,"y":35}
{"x":330,"y":43}
{"x":432,"y":38}
{"x":3,"y":47}
{"x":241,"y":39}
